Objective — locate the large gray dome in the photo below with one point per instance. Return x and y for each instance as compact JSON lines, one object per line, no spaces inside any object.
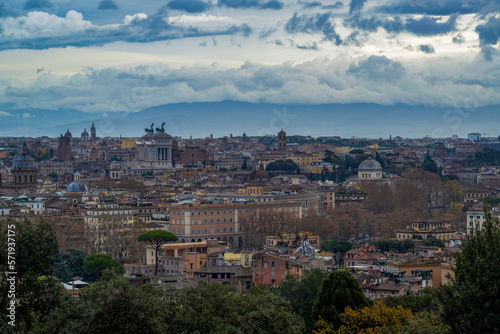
{"x":370,"y":164}
{"x":76,"y":187}
{"x":23,"y":160}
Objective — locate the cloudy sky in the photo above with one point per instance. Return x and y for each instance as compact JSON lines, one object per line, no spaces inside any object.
{"x":102,"y":56}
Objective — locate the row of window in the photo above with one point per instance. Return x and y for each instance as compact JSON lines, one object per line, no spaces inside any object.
{"x":225,"y":212}
{"x":224,"y":230}
{"x":112,"y":213}
{"x":121,"y":225}
{"x":205,"y":231}
{"x":212,"y":221}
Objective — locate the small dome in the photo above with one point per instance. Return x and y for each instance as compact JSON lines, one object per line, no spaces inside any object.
{"x":68,"y":134}
{"x":262,"y":174}
{"x":23,"y":160}
{"x":370,"y":164}
{"x":85,"y":133}
{"x":76,"y":187}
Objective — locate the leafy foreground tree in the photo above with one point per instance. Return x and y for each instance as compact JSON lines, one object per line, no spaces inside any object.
{"x":427,"y":302}
{"x":68,"y":265}
{"x":110,"y":306}
{"x":368,"y":320}
{"x":382,"y":319}
{"x":215,"y":308}
{"x":95,"y":264}
{"x":155,"y":239}
{"x":471,"y":304}
{"x":302,"y":293}
{"x":338,"y":291}
{"x":35,"y":288}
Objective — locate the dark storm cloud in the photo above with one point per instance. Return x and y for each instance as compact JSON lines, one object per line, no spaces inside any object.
{"x":489,"y":33}
{"x":429,"y":26}
{"x":356,"y":5}
{"x":377,"y":68}
{"x":442,"y":7}
{"x":7,"y":11}
{"x":427,"y":48}
{"x":38,"y":4}
{"x":310,"y":5}
{"x":425,"y":26}
{"x":107,"y":5}
{"x":271,"y":4}
{"x":189,"y":6}
{"x":318,"y":4}
{"x":319,"y":23}
{"x":336,"y":5}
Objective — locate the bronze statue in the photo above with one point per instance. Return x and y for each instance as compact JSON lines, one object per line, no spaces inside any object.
{"x":162,"y":129}
{"x":150,"y":130}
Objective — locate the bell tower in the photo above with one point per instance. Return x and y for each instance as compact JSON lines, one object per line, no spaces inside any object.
{"x":282,"y":141}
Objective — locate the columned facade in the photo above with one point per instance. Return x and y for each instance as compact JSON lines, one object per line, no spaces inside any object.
{"x":153,"y":153}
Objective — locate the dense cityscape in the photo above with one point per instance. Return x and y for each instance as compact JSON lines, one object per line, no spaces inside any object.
{"x":248,"y":212}
{"x":249,"y":166}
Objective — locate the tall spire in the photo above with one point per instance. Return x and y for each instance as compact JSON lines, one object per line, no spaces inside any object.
{"x":93,"y":126}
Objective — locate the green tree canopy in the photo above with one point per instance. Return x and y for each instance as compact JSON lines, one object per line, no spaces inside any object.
{"x":357,"y":151}
{"x":216,"y":308}
{"x":95,"y":264}
{"x":429,"y":165}
{"x":302,"y":293}
{"x":433,"y":241}
{"x":156,"y":239}
{"x":338,"y":291}
{"x":111,"y":305}
{"x":391,"y":245}
{"x":334,"y":246}
{"x":427,"y":302}
{"x":472,"y":302}
{"x":34,"y":246}
{"x":283,"y":166}
{"x":488,"y":156}
{"x":70,"y":264}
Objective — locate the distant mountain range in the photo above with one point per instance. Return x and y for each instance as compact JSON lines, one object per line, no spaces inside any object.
{"x":228,"y":117}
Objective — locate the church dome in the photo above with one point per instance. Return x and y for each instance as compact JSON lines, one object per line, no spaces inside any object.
{"x":76,"y":187}
{"x":23,"y":160}
{"x":370,"y":164}
{"x":262,"y":174}
{"x":85,"y":133}
{"x":68,"y":134}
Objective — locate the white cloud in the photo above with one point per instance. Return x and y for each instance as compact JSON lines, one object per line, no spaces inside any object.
{"x":42,"y":24}
{"x":138,"y":17}
{"x":446,"y":83}
{"x":5,"y":114}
